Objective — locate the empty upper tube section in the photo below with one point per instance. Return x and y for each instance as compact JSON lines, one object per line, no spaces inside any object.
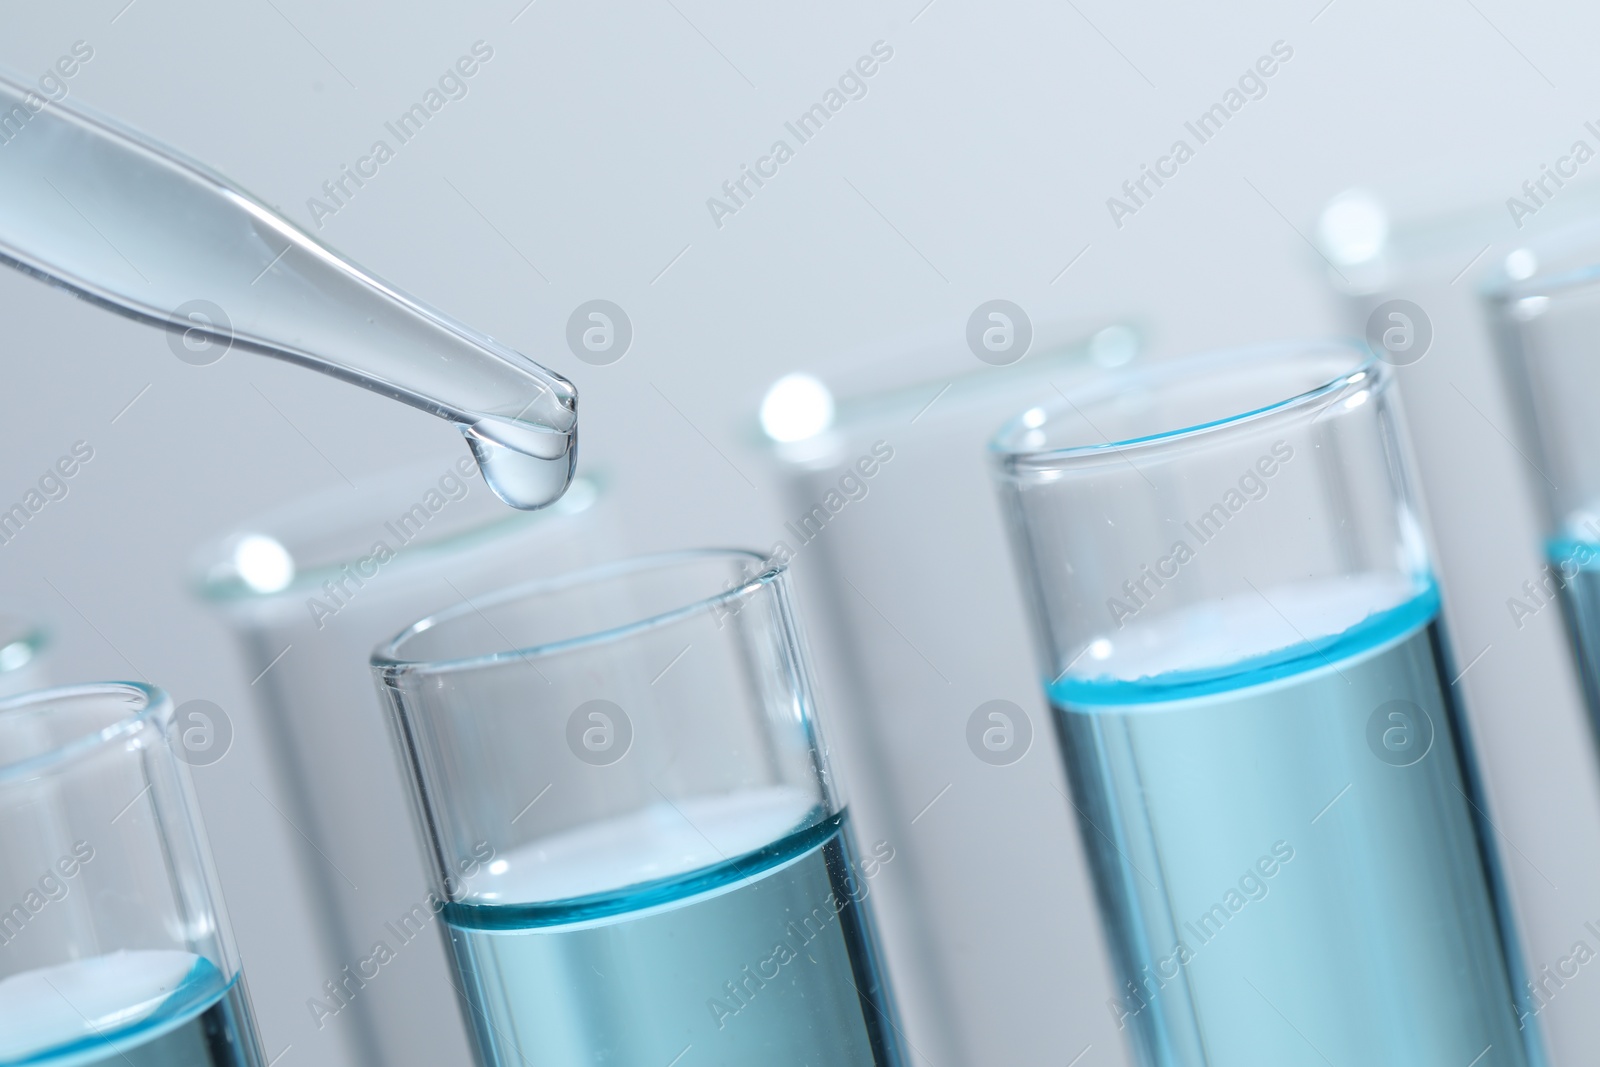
{"x":134,"y":226}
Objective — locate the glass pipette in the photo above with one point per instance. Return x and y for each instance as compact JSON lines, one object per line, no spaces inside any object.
{"x":132,"y":225}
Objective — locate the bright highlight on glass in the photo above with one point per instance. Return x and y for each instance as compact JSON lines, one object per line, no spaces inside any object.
{"x":796,"y":407}
{"x":263,"y":564}
{"x":636,"y":843}
{"x":1239,"y":631}
{"x":15,"y":656}
{"x":1354,"y":227}
{"x":1520,"y":264}
{"x":114,"y":948}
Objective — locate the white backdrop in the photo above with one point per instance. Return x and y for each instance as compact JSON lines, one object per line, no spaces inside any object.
{"x":578,"y":166}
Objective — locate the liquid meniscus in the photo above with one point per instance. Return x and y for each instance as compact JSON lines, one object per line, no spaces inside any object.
{"x":767,"y":958}
{"x":1283,"y":845}
{"x":139,"y":1008}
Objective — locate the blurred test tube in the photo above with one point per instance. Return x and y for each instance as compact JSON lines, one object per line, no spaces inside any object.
{"x":932,"y":692}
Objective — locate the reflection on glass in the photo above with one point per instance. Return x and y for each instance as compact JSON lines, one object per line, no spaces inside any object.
{"x":1239,"y":627}
{"x":636,"y":842}
{"x":113,"y":943}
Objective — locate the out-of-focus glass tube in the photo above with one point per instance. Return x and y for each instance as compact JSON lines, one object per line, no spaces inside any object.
{"x":1544,"y":304}
{"x":635,"y":839}
{"x":114,"y":947}
{"x":1238,"y":625}
{"x":915,"y":669}
{"x":308,"y":590}
{"x":22,"y":644}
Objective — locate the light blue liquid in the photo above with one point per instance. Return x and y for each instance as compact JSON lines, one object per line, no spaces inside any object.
{"x":1275,"y":892}
{"x":745,"y":963}
{"x":206,"y":1022}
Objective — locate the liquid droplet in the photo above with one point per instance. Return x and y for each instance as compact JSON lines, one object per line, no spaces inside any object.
{"x":527,"y":465}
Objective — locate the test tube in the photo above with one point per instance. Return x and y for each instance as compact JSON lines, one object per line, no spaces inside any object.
{"x":637,"y":846}
{"x":114,"y":947}
{"x":1544,"y":304}
{"x":914,"y":670}
{"x":308,"y":590}
{"x":1238,"y":625}
{"x":1427,"y":262}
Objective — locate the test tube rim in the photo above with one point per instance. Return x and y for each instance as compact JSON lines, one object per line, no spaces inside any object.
{"x":1014,"y":460}
{"x":1551,"y":283}
{"x":155,"y":708}
{"x":387,"y":661}
{"x":1566,"y":260}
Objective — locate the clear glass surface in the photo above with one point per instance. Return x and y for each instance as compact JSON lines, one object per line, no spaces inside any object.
{"x":1238,"y":629}
{"x":1545,"y":322}
{"x":1546,"y":318}
{"x":114,"y":946}
{"x":134,"y":226}
{"x":308,"y":590}
{"x":912,"y":665}
{"x":635,"y":840}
